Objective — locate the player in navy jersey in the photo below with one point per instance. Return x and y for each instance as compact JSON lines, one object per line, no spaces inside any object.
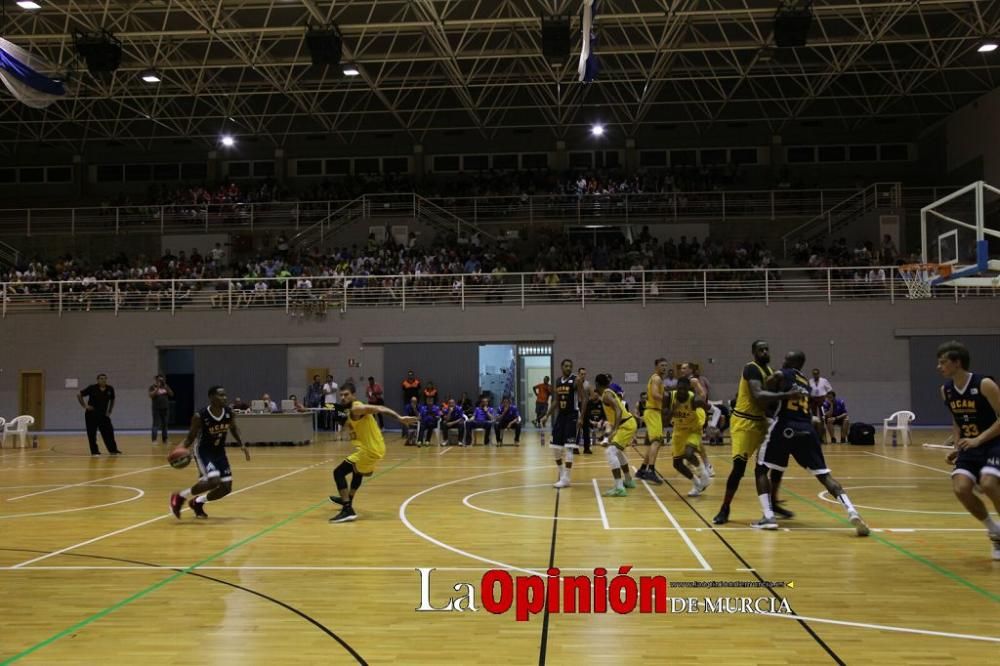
{"x":791,"y":434}
{"x":974,"y":403}
{"x":209,"y":427}
{"x":568,"y":394}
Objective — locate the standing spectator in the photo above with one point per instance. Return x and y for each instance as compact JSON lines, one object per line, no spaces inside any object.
{"x":430,"y":391}
{"x":160,"y":394}
{"x":411,"y":387}
{"x":889,"y":251}
{"x":819,"y":387}
{"x":639,"y":409}
{"x":835,"y":413}
{"x":314,"y":395}
{"x":97,"y":415}
{"x":542,"y":393}
{"x":375,"y":397}
{"x":593,"y":418}
{"x":330,"y":399}
{"x":670,"y":381}
{"x":507,"y":419}
{"x":699,"y":378}
{"x":482,"y":419}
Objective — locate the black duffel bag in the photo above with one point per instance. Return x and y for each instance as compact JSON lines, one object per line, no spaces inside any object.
{"x":862,"y":434}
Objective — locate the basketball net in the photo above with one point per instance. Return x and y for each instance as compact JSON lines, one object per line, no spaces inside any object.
{"x":919,"y":278}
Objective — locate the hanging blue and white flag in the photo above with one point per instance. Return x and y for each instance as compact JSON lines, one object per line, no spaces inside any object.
{"x":27,"y":76}
{"x":588,"y":59}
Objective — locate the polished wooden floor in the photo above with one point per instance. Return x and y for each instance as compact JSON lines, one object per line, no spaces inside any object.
{"x":93,"y":570}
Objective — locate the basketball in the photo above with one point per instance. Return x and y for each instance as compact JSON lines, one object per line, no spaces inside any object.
{"x":179,"y":458}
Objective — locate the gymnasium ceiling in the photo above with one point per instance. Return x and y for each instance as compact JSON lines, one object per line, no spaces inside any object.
{"x":241,"y":66}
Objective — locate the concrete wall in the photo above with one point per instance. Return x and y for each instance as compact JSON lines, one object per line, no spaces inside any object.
{"x":974,"y":134}
{"x":855,"y":344}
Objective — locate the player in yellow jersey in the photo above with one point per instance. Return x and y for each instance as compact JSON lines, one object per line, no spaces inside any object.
{"x":701,"y":390}
{"x":748,"y":426}
{"x":653,"y":418}
{"x":623,"y":427}
{"x":683,"y":408}
{"x":369,"y":448}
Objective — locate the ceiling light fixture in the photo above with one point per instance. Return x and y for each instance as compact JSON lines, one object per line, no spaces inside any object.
{"x":228,"y":141}
{"x":28,"y":4}
{"x":597,"y":130}
{"x":988,"y":46}
{"x":350,"y":70}
{"x":151,"y":76}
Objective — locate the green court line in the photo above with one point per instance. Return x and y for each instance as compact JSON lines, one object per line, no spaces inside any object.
{"x":155,"y":586}
{"x":923,"y":560}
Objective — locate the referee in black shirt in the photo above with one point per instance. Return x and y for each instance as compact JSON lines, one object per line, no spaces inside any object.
{"x":100,"y":402}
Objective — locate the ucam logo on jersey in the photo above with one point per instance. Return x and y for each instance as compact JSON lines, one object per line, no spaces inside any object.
{"x":498,"y":591}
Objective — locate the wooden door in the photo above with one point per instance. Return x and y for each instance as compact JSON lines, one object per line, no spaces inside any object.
{"x":310,"y":372}
{"x":32,"y":397}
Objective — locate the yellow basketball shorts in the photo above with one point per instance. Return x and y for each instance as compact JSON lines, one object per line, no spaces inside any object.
{"x":682,"y":439}
{"x":366,"y":456}
{"x":654,"y":424}
{"x":625,"y":434}
{"x":747,"y":436}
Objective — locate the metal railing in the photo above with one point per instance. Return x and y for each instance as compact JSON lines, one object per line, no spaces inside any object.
{"x":9,"y":254}
{"x":483,"y":212}
{"x":842,"y":213}
{"x":322,"y":295}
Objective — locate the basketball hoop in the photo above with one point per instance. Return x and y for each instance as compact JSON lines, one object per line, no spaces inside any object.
{"x":919,"y":278}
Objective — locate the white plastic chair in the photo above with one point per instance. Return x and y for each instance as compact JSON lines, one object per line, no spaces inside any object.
{"x":902,"y":426}
{"x":18,"y":426}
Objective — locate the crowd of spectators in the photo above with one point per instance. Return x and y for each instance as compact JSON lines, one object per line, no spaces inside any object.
{"x":487,"y":183}
{"x":554,"y":261}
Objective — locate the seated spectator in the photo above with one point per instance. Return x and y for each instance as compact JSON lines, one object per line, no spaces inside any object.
{"x":430,"y":415}
{"x":835,"y":413}
{"x":483,"y":418}
{"x":508,"y":418}
{"x":466,"y":404}
{"x":269,"y":405}
{"x":452,"y":417}
{"x":412,"y":409}
{"x":296,"y":405}
{"x":240,"y":405}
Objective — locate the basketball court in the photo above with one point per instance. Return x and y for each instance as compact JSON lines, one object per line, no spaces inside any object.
{"x":110,"y":571}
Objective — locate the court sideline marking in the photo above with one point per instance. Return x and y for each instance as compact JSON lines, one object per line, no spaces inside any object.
{"x":157,"y":518}
{"x":84,"y":483}
{"x":917,"y":558}
{"x":600,"y":505}
{"x":907,"y":462}
{"x":751,"y":570}
{"x":169,"y":579}
{"x":543,"y":645}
